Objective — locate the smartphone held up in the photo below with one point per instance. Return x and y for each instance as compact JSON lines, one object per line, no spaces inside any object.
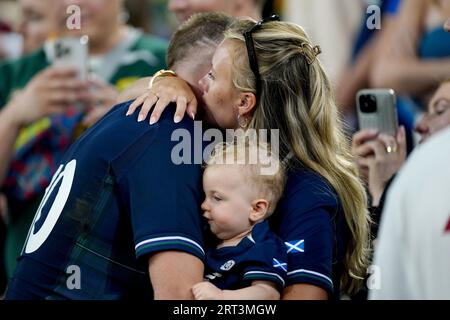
{"x":72,"y":52}
{"x":377,"y":110}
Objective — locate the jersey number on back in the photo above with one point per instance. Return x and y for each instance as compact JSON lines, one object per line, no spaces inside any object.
{"x":37,"y":237}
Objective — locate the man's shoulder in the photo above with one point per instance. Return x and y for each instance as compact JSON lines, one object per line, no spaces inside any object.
{"x":120,"y":136}
{"x":117,"y":120}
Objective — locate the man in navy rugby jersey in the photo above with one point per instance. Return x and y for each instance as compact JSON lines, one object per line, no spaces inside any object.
{"x":118,"y":211}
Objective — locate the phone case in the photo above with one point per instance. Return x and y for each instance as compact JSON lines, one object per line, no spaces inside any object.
{"x":384,"y":119}
{"x":72,"y":52}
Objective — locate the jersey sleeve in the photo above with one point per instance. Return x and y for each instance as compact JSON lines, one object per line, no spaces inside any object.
{"x":267,"y":261}
{"x":162,"y":198}
{"x":309,"y":219}
{"x":309,"y":248}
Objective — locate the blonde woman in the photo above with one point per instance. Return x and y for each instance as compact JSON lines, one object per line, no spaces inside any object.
{"x":267,"y":75}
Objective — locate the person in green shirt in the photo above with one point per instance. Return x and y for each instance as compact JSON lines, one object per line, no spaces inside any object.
{"x":38,"y":117}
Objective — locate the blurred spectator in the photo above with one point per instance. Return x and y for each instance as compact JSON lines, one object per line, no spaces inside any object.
{"x":183,"y":9}
{"x":10,"y":42}
{"x":331,"y":24}
{"x":405,"y":54}
{"x":355,"y":75}
{"x":10,"y":39}
{"x":38,"y":113}
{"x":137,"y":14}
{"x":38,"y":21}
{"x":378,"y":164}
{"x":414,"y":60}
{"x":438,"y":114}
{"x":414,"y":240}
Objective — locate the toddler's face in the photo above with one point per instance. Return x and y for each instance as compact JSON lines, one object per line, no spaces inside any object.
{"x":228,"y":201}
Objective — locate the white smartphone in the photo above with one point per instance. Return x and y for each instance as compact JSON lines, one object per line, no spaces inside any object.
{"x":72,"y":52}
{"x":377,"y":110}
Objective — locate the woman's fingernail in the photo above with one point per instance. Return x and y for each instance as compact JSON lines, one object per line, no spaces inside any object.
{"x":152,"y":120}
{"x":177,"y":119}
{"x":141,"y":118}
{"x":193,"y":116}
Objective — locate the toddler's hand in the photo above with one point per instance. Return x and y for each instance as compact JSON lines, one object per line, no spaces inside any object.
{"x":207,"y":291}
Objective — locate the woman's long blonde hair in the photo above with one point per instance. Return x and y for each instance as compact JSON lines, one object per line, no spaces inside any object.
{"x":297,"y":98}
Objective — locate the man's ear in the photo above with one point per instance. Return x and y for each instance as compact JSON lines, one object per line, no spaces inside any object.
{"x":247,"y":103}
{"x":259,"y":210}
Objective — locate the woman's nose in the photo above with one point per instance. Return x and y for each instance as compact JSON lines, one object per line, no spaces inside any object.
{"x":422,"y":126}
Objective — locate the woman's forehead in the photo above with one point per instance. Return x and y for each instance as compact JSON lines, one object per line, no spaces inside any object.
{"x":223,"y":53}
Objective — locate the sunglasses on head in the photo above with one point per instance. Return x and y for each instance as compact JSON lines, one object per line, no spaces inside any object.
{"x":251,"y":50}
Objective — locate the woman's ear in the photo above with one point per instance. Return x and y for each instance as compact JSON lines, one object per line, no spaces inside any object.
{"x":247,"y":103}
{"x":259,"y":210}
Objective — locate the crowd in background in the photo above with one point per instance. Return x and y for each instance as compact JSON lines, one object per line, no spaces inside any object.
{"x":409,"y":52}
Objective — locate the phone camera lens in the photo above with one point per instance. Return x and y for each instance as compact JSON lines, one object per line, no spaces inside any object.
{"x":368,"y":103}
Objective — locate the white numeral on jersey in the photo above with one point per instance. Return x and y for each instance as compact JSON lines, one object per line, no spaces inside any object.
{"x":67,"y":173}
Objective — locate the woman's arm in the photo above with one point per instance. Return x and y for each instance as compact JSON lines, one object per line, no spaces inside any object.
{"x":397,"y":65}
{"x":259,"y":290}
{"x":9,"y":130}
{"x":49,"y":92}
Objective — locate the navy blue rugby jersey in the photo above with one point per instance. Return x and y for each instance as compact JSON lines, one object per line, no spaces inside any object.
{"x":259,"y":256}
{"x":310,"y":220}
{"x":117,"y":198}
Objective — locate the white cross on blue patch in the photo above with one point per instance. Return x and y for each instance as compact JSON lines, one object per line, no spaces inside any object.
{"x":279,"y":264}
{"x":295,"y":246}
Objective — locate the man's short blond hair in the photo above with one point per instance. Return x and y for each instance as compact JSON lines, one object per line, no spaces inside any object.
{"x":206,"y":27}
{"x":251,"y":156}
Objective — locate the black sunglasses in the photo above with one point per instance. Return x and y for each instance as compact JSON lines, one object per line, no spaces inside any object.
{"x":251,"y":50}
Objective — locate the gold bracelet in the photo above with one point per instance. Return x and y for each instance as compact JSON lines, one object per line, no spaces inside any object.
{"x":161,"y":73}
